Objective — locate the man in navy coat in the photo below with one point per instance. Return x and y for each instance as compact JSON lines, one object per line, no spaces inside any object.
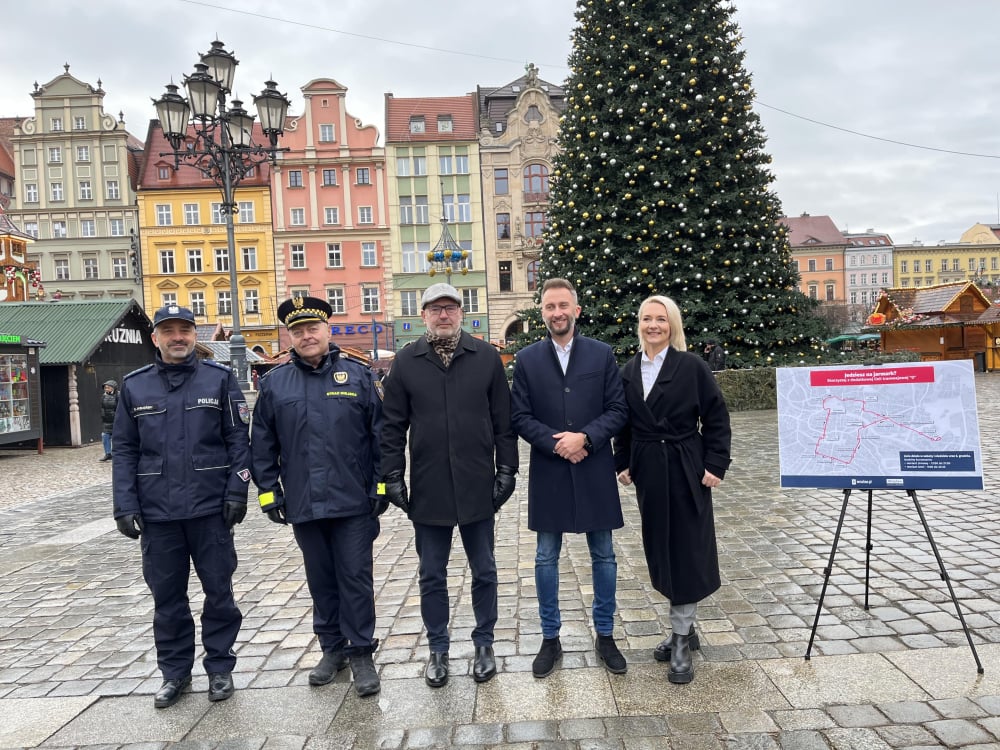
{"x":567,"y":402}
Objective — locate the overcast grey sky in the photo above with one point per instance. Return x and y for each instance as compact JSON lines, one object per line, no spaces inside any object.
{"x":916,"y":71}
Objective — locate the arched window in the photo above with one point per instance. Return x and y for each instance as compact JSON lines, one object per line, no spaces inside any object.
{"x":536,"y":182}
{"x":533,"y":276}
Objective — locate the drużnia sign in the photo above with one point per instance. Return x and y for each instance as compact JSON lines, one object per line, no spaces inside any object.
{"x":903,"y":426}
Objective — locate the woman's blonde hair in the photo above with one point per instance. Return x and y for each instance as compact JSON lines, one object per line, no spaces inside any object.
{"x":677,"y":339}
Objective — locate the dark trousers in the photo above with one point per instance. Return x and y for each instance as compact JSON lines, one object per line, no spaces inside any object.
{"x":337,"y":554}
{"x":167,"y":552}
{"x":434,"y":549}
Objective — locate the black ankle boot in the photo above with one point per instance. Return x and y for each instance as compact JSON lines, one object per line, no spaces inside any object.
{"x":681,"y":666}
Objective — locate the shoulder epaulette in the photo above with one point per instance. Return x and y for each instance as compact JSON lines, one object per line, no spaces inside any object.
{"x":275,"y":369}
{"x":352,"y":357}
{"x":213,"y":363}
{"x":136,"y":372}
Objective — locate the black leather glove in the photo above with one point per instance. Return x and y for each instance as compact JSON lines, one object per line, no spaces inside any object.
{"x":379,"y":506}
{"x":273,"y":503}
{"x":233,"y":512}
{"x":130,"y":525}
{"x":503,"y":485}
{"x":395,"y":491}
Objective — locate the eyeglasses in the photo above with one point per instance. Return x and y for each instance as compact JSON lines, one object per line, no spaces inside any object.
{"x":443,"y":309}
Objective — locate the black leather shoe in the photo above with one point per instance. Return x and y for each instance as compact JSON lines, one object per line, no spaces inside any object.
{"x":366,"y":681}
{"x":662,"y":652}
{"x":607,"y":649}
{"x":170,"y":692}
{"x":485,"y":664}
{"x":220,"y":686}
{"x":331,"y":663}
{"x":681,"y":666}
{"x":548,"y":656}
{"x":436,"y":673}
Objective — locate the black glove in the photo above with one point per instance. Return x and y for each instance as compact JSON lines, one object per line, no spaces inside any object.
{"x":503,"y":485}
{"x":273,"y":503}
{"x":233,"y":512}
{"x":379,"y":506}
{"x":130,"y":525}
{"x":394,"y":490}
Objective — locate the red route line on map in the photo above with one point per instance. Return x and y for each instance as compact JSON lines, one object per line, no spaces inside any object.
{"x":881,"y":418}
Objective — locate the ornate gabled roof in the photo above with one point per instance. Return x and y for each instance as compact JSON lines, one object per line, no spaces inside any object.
{"x":9,"y":229}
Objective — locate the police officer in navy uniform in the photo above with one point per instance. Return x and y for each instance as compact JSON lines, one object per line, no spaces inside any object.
{"x":181,"y":473}
{"x":316,"y":462}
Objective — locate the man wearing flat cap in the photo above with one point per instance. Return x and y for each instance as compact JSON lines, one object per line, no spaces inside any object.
{"x":316,"y":461}
{"x":448,"y":394}
{"x":181,"y":471}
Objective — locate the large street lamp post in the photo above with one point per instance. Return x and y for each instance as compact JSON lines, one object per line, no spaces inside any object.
{"x":219,"y":144}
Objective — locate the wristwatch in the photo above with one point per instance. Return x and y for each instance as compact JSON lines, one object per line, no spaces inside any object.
{"x":588,"y":443}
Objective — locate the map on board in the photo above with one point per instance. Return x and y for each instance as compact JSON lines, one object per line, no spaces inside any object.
{"x":902,"y":426}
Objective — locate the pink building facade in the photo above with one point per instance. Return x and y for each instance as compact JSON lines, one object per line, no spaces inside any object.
{"x":331,"y":233}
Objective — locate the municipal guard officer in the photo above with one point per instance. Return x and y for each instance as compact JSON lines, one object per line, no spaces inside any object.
{"x":181,"y":473}
{"x":316,"y":461}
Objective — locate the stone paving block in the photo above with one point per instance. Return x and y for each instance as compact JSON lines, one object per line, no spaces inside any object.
{"x":957,"y":732}
{"x":958,"y":708}
{"x":855,"y":739}
{"x":406,"y":704}
{"x":565,"y":694}
{"x":802,"y":718}
{"x":751,"y":721}
{"x":751,"y":741}
{"x":532,"y":731}
{"x":949,"y":672}
{"x":857,"y":716}
{"x":429,"y":737}
{"x":802,"y":739}
{"x":478,"y":734}
{"x":577,"y":729}
{"x":27,"y":723}
{"x":132,"y":719}
{"x":909,"y":712}
{"x":292,"y":710}
{"x":906,"y":735}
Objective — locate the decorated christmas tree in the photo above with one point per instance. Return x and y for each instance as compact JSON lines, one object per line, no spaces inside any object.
{"x":663,"y":186}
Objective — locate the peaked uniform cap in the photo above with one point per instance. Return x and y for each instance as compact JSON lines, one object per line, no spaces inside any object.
{"x":172,"y":312}
{"x":297,"y":310}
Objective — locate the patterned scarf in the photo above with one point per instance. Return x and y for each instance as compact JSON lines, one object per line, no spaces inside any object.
{"x":444,"y":345}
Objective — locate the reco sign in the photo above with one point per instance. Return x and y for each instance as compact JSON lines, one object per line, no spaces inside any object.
{"x":351,"y":329}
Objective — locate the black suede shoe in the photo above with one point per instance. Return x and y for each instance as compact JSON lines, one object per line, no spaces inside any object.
{"x":681,"y":666}
{"x":170,"y":692}
{"x":485,"y":664}
{"x":662,"y":652}
{"x":366,"y":681}
{"x":331,"y":663}
{"x":548,"y":656}
{"x":220,"y":686}
{"x":610,"y":655}
{"x":436,"y":673}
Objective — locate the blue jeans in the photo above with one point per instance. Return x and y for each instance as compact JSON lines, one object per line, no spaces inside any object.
{"x":604,"y":570}
{"x":106,"y":439}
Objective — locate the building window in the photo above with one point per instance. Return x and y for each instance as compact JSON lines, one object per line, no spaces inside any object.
{"x":194,"y":260}
{"x":956,"y":264}
{"x":163,"y":173}
{"x":119,"y":267}
{"x":334,"y":258}
{"x":470,"y":300}
{"x":448,"y":207}
{"x":864,"y":279}
{"x":944,"y":264}
{"x":198,"y":303}
{"x":854,"y":298}
{"x":864,"y":296}
{"x":417,"y":124}
{"x":369,"y":256}
{"x":221,"y":259}
{"x":246,"y":212}
{"x":445,"y":165}
{"x":90,"y":268}
{"x":467,"y":246}
{"x":829,"y":264}
{"x":972,"y":265}
{"x":57,"y":191}
{"x":55,"y":155}
{"x":326,"y":133}
{"x":117,"y":227}
{"x":298,"y":256}
{"x":501,"y":182}
{"x":532,"y":275}
{"x":59,"y":229}
{"x":503,"y":226}
{"x":813,"y":291}
{"x":405,"y":210}
{"x":461,"y":164}
{"x":853,"y":279}
{"x":364,"y":214}
{"x":88,"y":228}
{"x":191,"y":213}
{"x":225,"y":301}
{"x":329,"y":177}
{"x":217,"y":217}
{"x":536,"y":182}
{"x":535,"y":223}
{"x":408,"y":303}
{"x":86,"y":192}
{"x":854,"y":260}
{"x":57,"y":125}
{"x":294,"y":178}
{"x":83,"y":153}
{"x":164,"y":216}
{"x":830,"y":293}
{"x":251,"y":301}
{"x":168,"y":298}
{"x":362,"y":176}
{"x":982,"y":264}
{"x":885,"y":277}
{"x":927,"y":265}
{"x":505,"y":275}
{"x":863,"y":260}
{"x":249,"y":258}
{"x":369,"y":299}
{"x":415,"y":257}
{"x":994,"y":263}
{"x":335,"y":298}
{"x":166,"y":261}
{"x":812,"y":264}
{"x":331,"y":215}
{"x":464,"y":208}
{"x":30,"y":192}
{"x":403,"y":166}
{"x":904,"y":266}
{"x":299,"y":293}
{"x":419,"y":166}
{"x":445,"y":124}
{"x":297,"y":217}
{"x":31,"y":227}
{"x":79,"y":123}
{"x":62,"y":269}
{"x":423,"y":211}
{"x":111,"y":187}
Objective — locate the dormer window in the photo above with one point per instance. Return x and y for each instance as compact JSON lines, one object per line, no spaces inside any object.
{"x":445,"y":124}
{"x":417,"y":124}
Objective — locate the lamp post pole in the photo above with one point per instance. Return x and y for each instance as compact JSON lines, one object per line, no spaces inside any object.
{"x":219,"y":143}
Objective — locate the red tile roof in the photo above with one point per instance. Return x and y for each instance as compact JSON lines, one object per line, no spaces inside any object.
{"x":806,"y":231}
{"x":7,"y":125}
{"x":399,"y":111}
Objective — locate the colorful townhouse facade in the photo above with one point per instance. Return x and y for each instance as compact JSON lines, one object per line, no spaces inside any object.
{"x":435,"y":192}
{"x":868,"y":260}
{"x":185,"y":251}
{"x":331,"y":219}
{"x":818,"y":249}
{"x":975,"y":257}
{"x":518,"y":127}
{"x":75,"y":171}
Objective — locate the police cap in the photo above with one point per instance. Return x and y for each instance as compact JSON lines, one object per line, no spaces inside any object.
{"x":172,"y":312}
{"x":297,"y":310}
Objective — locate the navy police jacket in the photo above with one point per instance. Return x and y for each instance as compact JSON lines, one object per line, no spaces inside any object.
{"x":181,"y":443}
{"x":316,"y":437}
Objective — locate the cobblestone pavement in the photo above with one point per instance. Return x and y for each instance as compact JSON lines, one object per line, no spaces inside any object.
{"x":77,"y":666}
